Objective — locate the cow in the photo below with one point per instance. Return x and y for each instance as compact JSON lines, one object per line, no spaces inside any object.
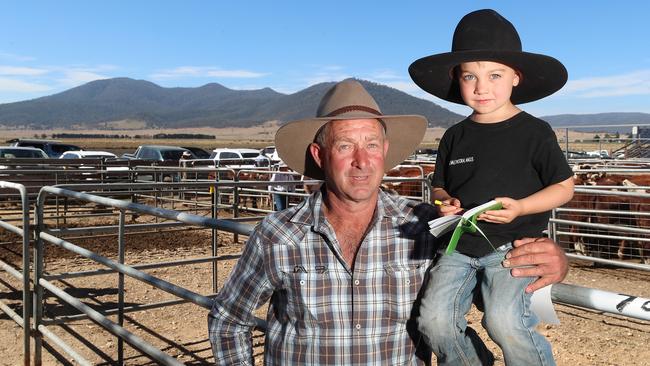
{"x":407,"y":188}
{"x":643,"y":206}
{"x":623,"y":214}
{"x":639,"y":206}
{"x":580,"y":201}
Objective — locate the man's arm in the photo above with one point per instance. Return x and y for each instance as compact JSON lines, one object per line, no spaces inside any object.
{"x":546,"y":258}
{"x":231,"y":320}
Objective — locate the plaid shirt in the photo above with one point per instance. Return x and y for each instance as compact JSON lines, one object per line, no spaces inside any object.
{"x":321,"y":312}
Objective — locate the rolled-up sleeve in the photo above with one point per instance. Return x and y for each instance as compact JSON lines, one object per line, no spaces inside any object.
{"x":231,"y":320}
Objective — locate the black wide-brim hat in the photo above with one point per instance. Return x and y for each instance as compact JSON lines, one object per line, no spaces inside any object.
{"x":484,"y":35}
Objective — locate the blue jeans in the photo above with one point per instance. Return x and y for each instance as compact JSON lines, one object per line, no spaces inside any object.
{"x":280,"y":201}
{"x":507,"y":316}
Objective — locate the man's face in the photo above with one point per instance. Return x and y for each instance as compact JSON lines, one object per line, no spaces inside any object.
{"x":486,"y":87}
{"x":353,"y":159}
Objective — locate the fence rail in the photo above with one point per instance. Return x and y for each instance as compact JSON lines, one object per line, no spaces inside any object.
{"x":116,"y":329}
{"x":22,"y":275}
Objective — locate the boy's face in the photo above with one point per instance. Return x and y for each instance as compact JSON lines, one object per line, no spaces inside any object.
{"x":486,"y":86}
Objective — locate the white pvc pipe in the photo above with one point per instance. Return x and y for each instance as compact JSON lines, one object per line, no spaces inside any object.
{"x":610,"y":302}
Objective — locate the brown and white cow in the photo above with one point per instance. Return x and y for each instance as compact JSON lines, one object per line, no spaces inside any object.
{"x":406,"y":188}
{"x":626,"y":211}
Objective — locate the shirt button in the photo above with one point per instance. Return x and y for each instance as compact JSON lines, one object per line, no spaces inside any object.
{"x":408,"y":282}
{"x":302,"y":282}
{"x":358,"y":326}
{"x":356,"y":282}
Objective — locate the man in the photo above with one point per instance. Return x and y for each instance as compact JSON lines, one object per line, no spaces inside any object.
{"x":280,"y":197}
{"x":343,"y":269}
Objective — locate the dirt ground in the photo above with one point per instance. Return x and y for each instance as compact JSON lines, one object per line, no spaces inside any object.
{"x":583,"y":338}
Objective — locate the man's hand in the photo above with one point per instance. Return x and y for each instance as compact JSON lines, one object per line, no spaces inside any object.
{"x":545,"y":258}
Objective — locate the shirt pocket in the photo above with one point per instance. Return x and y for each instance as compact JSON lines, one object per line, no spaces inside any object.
{"x":311,"y":300}
{"x":404,"y":282}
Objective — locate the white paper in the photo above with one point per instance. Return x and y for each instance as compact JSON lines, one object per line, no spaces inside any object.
{"x":542,"y":306}
{"x":443,"y":224}
{"x":471,"y":212}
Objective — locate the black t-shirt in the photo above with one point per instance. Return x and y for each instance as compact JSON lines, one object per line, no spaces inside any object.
{"x":513,"y":158}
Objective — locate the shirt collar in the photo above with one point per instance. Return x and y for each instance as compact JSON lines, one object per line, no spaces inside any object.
{"x":311,"y":211}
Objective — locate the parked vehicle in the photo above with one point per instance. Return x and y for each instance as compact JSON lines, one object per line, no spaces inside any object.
{"x":52,"y":148}
{"x":603,"y":154}
{"x":198,"y":152}
{"x":267,"y":151}
{"x":87,"y":155}
{"x":268,"y":156}
{"x":97,"y":164}
{"x":424,"y":155}
{"x":158,"y":152}
{"x":19,"y":152}
{"x":162,"y":154}
{"x":578,"y":155}
{"x":234,"y":158}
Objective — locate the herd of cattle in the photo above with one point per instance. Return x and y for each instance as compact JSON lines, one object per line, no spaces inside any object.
{"x":622,"y":201}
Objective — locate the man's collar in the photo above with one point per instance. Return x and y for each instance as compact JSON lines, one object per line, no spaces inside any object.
{"x":388,"y":206}
{"x":311,"y":211}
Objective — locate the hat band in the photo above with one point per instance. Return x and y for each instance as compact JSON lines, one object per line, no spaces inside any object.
{"x":351,"y":108}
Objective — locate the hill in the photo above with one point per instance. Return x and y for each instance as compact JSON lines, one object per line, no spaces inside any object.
{"x":98,"y":102}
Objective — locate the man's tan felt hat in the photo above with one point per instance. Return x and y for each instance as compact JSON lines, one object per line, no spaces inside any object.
{"x":347,"y":100}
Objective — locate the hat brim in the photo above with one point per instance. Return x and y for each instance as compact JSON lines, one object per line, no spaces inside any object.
{"x":292,"y":140}
{"x":541,"y":75}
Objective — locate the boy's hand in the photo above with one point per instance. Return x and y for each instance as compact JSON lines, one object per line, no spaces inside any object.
{"x":450,"y":206}
{"x":511,"y":210}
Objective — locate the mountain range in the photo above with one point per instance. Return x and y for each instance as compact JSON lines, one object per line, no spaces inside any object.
{"x":98,"y":103}
{"x":213,"y":105}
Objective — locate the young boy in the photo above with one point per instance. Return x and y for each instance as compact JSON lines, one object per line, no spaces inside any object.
{"x":498,"y":152}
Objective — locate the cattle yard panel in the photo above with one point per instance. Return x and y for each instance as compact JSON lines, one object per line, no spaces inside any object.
{"x":410,"y":181}
{"x":250,"y":198}
{"x":60,"y":220}
{"x":20,"y":274}
{"x":45,"y":281}
{"x":606,"y":223}
{"x":241,"y":200}
{"x":261,"y":197}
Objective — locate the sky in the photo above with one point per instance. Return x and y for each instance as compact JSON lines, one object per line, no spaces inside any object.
{"x":47,"y":47}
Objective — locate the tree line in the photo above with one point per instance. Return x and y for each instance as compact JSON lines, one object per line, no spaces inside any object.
{"x":118,"y":136}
